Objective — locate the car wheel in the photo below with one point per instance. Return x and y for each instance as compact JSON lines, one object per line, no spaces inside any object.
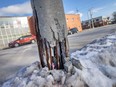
{"x":33,"y":41}
{"x":16,"y":45}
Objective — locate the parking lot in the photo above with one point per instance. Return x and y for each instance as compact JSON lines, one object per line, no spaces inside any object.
{"x":13,"y":59}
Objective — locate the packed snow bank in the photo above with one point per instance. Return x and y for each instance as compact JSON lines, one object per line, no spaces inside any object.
{"x":98,"y":62}
{"x":92,"y":66}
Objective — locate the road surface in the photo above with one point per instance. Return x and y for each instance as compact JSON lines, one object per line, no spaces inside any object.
{"x":77,"y":41}
{"x":11,"y":60}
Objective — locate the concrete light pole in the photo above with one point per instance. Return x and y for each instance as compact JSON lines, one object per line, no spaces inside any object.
{"x":91,"y":17}
{"x":51,"y":32}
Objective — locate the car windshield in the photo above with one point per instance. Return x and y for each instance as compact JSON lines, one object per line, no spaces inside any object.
{"x":24,"y":37}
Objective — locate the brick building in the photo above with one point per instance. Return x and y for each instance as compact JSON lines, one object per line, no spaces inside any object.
{"x":72,"y":20}
{"x":98,"y":21}
{"x":31,"y":25}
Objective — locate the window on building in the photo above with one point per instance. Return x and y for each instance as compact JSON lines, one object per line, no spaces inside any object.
{"x":6,"y":24}
{"x":72,"y":19}
{"x":1,"y":23}
{"x":2,"y":26}
{"x":11,"y":24}
{"x":67,"y":19}
{"x":97,"y":19}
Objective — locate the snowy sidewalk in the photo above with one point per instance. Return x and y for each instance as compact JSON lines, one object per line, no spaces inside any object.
{"x":92,"y":66}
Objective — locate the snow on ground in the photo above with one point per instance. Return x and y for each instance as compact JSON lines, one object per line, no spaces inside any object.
{"x":92,"y":66}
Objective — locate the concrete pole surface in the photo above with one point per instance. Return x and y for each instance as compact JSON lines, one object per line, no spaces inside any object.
{"x":51,"y":32}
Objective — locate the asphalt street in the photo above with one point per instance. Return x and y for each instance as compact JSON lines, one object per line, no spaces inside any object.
{"x":11,"y":60}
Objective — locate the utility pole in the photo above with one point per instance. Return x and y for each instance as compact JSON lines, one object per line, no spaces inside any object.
{"x":51,"y":32}
{"x":91,"y":17}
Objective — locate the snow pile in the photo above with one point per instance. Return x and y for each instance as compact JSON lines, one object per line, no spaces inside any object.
{"x":98,"y":62}
{"x":92,"y":66}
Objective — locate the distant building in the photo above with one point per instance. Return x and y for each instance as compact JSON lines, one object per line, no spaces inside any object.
{"x":31,"y":23}
{"x":11,"y":28}
{"x":98,"y":21}
{"x":73,"y":21}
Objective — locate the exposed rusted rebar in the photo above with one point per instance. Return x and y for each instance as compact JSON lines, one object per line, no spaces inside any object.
{"x":38,"y":37}
{"x":57,"y":55}
{"x":50,"y":57}
{"x":66,"y":47}
{"x":61,"y":56}
{"x":47,"y":55}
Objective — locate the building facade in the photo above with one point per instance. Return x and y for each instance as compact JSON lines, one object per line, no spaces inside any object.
{"x":11,"y":28}
{"x":73,"y":21}
{"x":31,"y":23}
{"x":97,"y":22}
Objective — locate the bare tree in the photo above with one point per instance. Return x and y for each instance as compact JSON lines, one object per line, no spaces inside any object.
{"x":51,"y":32}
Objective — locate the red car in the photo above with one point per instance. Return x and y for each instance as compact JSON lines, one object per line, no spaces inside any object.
{"x":23,"y":40}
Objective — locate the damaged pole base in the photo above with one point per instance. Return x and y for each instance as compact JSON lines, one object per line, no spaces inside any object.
{"x":51,"y":32}
{"x":54,"y":57}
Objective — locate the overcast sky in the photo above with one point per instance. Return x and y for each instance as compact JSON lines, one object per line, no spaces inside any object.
{"x":23,"y":7}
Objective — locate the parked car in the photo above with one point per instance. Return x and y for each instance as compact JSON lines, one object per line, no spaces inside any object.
{"x":72,"y":31}
{"x":23,"y":40}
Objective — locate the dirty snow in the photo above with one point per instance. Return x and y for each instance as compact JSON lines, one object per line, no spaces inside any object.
{"x":92,"y":66}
